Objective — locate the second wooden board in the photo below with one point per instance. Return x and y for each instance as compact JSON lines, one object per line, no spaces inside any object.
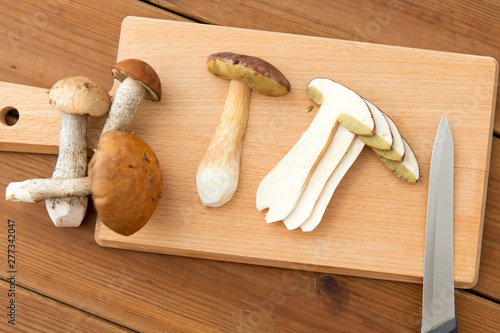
{"x":375,"y":223}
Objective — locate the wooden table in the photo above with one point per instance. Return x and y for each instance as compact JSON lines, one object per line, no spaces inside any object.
{"x":65,"y":282}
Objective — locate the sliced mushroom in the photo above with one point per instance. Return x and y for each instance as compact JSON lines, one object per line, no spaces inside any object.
{"x":338,"y":174}
{"x":138,"y":80}
{"x":330,"y":161}
{"x":397,"y":152}
{"x":218,"y":172}
{"x":282,"y":188}
{"x":382,"y":139}
{"x":407,"y":169}
{"x":76,"y":97}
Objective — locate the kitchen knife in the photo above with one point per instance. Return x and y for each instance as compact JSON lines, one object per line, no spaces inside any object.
{"x":438,"y":306}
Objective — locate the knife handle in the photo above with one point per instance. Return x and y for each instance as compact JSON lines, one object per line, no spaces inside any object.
{"x":448,"y":327}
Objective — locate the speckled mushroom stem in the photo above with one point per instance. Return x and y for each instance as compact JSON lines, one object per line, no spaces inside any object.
{"x":126,"y":101}
{"x":71,"y":163}
{"x":35,"y":190}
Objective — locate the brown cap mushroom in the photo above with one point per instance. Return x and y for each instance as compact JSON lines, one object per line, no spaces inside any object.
{"x":218,"y":172}
{"x":79,"y":95}
{"x":76,"y":97}
{"x":126,"y":181}
{"x":142,"y":72}
{"x":138,"y":81}
{"x":256,"y":73}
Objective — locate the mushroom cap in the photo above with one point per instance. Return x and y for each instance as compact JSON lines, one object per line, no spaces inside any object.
{"x":258,"y":74}
{"x":126,"y":180}
{"x":142,"y":72}
{"x":79,"y":95}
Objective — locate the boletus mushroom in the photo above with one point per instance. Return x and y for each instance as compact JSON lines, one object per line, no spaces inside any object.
{"x":138,"y":80}
{"x":125,"y":180}
{"x":76,"y":97}
{"x":218,"y":172}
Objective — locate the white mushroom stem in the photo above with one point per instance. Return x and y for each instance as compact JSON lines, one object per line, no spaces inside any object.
{"x":326,"y":194}
{"x":35,"y":190}
{"x":126,"y":101}
{"x":71,"y":163}
{"x":331,"y":159}
{"x":218,"y":172}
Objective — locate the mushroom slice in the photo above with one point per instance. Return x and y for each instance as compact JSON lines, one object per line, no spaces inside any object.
{"x":281,"y":189}
{"x":382,"y":139}
{"x":330,"y":161}
{"x":397,"y":152}
{"x":408,"y":169}
{"x":324,"y":199}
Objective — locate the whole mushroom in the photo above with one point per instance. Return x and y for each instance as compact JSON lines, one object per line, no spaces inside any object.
{"x":76,"y":97}
{"x":138,"y":80}
{"x":218,"y":172}
{"x":125,"y":180}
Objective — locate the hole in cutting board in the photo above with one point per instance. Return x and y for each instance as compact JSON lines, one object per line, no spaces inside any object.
{"x":9,"y":116}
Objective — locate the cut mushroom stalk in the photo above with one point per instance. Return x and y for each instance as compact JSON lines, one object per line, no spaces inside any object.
{"x":218,"y":172}
{"x":35,"y":190}
{"x":326,"y":195}
{"x":138,"y":81}
{"x":330,"y":161}
{"x":77,"y":97}
{"x":282,"y":188}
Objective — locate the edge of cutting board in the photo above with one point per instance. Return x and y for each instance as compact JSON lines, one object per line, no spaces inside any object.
{"x":106,"y":238}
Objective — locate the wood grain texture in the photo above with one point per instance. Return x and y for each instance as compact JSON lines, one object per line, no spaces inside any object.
{"x":405,"y":83}
{"x":489,"y":272}
{"x":150,"y":293}
{"x":462,"y":26}
{"x":44,"y":42}
{"x":48,"y":315}
{"x":37,"y":129}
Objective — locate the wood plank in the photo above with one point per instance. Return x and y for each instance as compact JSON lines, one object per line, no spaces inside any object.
{"x":37,"y":313}
{"x":237,"y":231}
{"x":417,"y":114}
{"x":45,"y":42}
{"x":462,"y":26}
{"x":148,"y":292}
{"x":489,"y":270}
{"x":185,"y":294}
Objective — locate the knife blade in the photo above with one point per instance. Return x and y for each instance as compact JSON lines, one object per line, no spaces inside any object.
{"x":438,"y":305}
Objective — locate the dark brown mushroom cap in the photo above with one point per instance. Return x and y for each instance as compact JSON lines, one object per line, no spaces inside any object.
{"x":80,"y":96}
{"x":255,"y":72}
{"x":126,"y":181}
{"x":140,"y":71}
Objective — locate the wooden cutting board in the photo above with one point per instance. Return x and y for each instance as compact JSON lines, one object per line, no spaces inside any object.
{"x":375,"y":223}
